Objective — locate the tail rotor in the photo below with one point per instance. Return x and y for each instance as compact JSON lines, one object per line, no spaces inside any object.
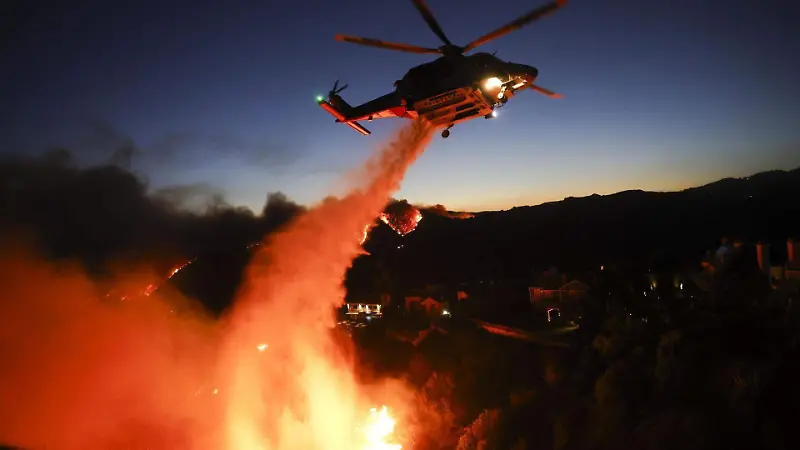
{"x":336,"y":89}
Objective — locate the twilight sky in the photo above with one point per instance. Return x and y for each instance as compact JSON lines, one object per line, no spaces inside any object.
{"x":659,"y":95}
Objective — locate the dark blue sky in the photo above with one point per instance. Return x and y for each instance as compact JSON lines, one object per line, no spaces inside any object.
{"x":659,"y":95}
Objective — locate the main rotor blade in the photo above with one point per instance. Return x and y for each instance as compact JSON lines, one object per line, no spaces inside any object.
{"x":430,"y":20}
{"x":387,"y":45}
{"x":520,"y":22}
{"x":544,"y":91}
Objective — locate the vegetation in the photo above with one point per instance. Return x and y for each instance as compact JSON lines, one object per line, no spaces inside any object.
{"x":716,"y":372}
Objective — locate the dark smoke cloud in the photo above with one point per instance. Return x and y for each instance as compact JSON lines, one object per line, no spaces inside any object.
{"x":184,"y":146}
{"x":398,"y":207}
{"x":437,"y":209}
{"x":442,"y":211}
{"x":198,"y":197}
{"x":104,"y":214}
{"x":104,"y":139}
{"x":103,"y":142}
{"x":279,"y":208}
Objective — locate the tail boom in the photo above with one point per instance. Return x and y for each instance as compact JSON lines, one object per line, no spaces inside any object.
{"x":341,"y":118}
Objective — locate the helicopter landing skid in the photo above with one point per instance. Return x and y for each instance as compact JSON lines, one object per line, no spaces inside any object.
{"x":446,"y":131}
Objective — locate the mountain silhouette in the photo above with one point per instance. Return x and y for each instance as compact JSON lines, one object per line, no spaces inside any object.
{"x":636,"y":230}
{"x":631,"y":228}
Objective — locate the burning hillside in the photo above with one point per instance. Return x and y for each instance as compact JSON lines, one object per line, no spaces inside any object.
{"x":401,"y":216}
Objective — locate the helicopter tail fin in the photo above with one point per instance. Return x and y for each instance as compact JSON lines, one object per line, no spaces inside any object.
{"x":340,"y":109}
{"x":358,"y":127}
{"x":340,"y":115}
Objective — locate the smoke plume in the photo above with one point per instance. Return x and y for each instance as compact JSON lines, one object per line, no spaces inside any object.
{"x":103,"y":214}
{"x":401,"y":205}
{"x":440,"y":210}
{"x":84,"y":372}
{"x":178,"y":149}
{"x":81,"y":373}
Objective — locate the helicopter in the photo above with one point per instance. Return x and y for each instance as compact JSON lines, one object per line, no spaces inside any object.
{"x":450,"y":89}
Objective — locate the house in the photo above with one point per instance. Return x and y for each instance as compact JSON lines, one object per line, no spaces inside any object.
{"x":412,"y":301}
{"x":789,"y":271}
{"x":369,"y":306}
{"x":784,"y":276}
{"x":792,"y":270}
{"x":713,"y":262}
{"x":549,"y":293}
{"x":428,"y":304}
{"x":432,"y":306}
{"x":554,"y":295}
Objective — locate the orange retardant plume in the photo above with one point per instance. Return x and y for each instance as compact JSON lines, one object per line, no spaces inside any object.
{"x":301,"y":393}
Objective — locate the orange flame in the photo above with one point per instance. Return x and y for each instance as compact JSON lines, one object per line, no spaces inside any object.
{"x":177,"y":269}
{"x":379,"y":429}
{"x":404,"y":223}
{"x":366,"y":233}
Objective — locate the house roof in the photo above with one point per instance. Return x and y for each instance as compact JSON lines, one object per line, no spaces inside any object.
{"x":430,"y":300}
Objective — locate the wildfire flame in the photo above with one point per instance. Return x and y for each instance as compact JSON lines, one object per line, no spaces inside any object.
{"x":153,"y":286}
{"x":400,"y":216}
{"x":366,"y":233}
{"x":403,"y":224}
{"x":177,"y":269}
{"x":379,"y":429}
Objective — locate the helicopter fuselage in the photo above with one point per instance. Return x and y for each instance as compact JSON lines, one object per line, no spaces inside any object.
{"x":452,"y":88}
{"x":447,"y":73}
{"x":445,"y":91}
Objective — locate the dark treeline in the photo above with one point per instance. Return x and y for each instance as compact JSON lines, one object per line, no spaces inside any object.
{"x":635,"y":228}
{"x":635,"y":231}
